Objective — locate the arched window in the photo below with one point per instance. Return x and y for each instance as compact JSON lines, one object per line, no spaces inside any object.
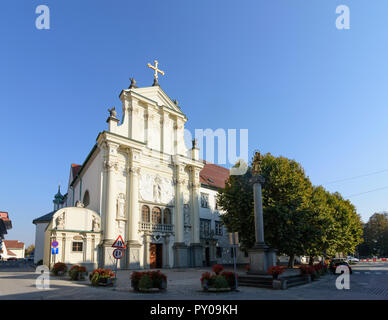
{"x":167,"y":216}
{"x":156,"y":215}
{"x":145,"y":213}
{"x":86,"y":199}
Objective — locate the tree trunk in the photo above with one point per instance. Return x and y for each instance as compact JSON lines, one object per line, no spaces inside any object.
{"x":311,"y":260}
{"x":291,"y":261}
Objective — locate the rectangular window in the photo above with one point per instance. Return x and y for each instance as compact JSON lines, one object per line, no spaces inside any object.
{"x":205,"y":228}
{"x":204,"y":200}
{"x":219,"y":228}
{"x":77,"y":246}
{"x":219,"y":252}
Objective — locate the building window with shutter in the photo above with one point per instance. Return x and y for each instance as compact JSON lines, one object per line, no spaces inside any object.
{"x":77,"y":246}
{"x":204,"y":200}
{"x":219,"y":228}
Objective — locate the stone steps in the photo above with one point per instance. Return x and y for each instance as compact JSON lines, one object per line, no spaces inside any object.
{"x":263,"y":281}
{"x":255,"y":281}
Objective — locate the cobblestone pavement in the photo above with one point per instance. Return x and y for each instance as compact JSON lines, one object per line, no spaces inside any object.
{"x":368,"y":281}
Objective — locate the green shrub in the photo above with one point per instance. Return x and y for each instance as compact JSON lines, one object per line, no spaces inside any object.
{"x":94,"y":279}
{"x":220,"y":282}
{"x":145,"y":282}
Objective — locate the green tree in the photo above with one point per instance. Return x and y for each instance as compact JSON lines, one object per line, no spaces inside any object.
{"x":30,"y":249}
{"x":286,"y":196}
{"x":237,"y":200}
{"x":299,"y":218}
{"x":375,"y":236}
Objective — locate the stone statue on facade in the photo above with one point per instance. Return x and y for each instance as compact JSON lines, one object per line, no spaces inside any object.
{"x":95,"y":224}
{"x":112,"y":112}
{"x":60,"y":221}
{"x":121,"y":206}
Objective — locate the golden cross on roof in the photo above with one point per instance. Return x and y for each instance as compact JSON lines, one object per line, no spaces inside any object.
{"x":156,"y":70}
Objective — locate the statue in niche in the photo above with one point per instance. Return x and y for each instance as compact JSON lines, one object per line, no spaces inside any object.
{"x":60,"y":221}
{"x":121,"y":206}
{"x":186,"y":213}
{"x":157,"y":191}
{"x":95,"y":224}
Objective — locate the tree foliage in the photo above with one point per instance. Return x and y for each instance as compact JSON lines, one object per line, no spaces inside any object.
{"x":375,"y":236}
{"x":299,"y":219}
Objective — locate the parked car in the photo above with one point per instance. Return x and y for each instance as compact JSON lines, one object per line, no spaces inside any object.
{"x":339,"y":262}
{"x":353,"y":259}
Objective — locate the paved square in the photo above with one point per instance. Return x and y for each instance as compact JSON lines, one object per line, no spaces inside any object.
{"x":368,"y":281}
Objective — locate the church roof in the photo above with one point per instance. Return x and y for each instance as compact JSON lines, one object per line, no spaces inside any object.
{"x":46,"y":218}
{"x":213,"y":175}
{"x":75,"y":168}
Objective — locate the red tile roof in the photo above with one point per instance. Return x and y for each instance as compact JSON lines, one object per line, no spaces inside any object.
{"x":10,"y":253}
{"x":13,"y":244}
{"x":4,"y":215}
{"x":214,"y":175}
{"x":75,"y":168}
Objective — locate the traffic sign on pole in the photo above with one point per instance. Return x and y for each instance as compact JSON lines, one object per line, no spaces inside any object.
{"x":119,"y":243}
{"x":118,"y":253}
{"x":54,"y":244}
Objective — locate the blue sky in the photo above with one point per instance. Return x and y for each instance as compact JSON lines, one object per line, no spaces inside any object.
{"x":280,"y":69}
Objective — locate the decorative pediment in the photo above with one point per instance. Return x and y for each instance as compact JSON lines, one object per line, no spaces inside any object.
{"x":157,"y":95}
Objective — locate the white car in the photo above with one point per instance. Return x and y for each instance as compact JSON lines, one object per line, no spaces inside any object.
{"x":353,"y":259}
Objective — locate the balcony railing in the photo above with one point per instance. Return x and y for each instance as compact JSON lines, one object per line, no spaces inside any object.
{"x":147,"y":226}
{"x":207,"y":234}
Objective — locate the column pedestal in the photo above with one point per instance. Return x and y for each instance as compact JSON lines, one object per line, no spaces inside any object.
{"x":107,"y":260}
{"x":133,"y":255}
{"x":196,"y":254}
{"x":261,"y":257}
{"x":180,"y":255}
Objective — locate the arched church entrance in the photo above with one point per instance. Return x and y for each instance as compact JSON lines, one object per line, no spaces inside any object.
{"x":156,"y":255}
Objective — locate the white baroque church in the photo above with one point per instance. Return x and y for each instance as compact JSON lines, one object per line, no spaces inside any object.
{"x":139,"y":181}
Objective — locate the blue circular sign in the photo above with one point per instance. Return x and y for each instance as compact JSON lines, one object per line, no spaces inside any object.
{"x":54,"y":244}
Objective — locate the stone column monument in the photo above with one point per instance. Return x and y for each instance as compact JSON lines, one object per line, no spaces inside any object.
{"x":260,"y":256}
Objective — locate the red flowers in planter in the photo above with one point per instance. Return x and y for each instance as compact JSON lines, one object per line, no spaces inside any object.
{"x":103,"y":273}
{"x":78,"y":268}
{"x":217,"y":268}
{"x":306,"y":269}
{"x":205,"y":276}
{"x":275,"y":270}
{"x":59,"y":267}
{"x":159,"y":280}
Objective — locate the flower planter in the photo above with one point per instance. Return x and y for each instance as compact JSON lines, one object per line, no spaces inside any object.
{"x":150,"y":290}
{"x":218,"y":289}
{"x":314,"y":277}
{"x":105,"y":282}
{"x":307,"y":277}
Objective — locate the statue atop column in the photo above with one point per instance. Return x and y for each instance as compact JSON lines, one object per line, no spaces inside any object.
{"x":261,"y":256}
{"x":256,"y":164}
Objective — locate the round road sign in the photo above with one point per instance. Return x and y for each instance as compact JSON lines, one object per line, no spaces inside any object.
{"x":118,"y":254}
{"x":54,"y":244}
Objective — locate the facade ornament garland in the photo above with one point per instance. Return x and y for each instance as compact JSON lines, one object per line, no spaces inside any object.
{"x":109,"y":164}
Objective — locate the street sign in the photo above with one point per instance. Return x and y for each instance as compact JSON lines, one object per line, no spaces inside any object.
{"x":233,"y":238}
{"x":118,"y":253}
{"x":119,"y":243}
{"x":54,"y":244}
{"x":54,"y":250}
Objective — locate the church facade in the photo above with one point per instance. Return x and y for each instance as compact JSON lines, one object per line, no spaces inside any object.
{"x":142,"y":183}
